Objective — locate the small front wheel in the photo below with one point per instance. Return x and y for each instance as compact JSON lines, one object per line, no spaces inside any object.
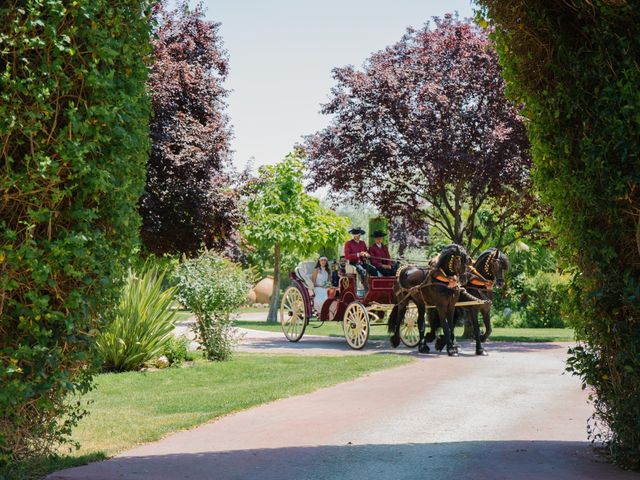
{"x":356,"y":325}
{"x":292,"y":319}
{"x":409,"y":332}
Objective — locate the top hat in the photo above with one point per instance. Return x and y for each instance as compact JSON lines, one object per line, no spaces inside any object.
{"x":379,"y":234}
{"x":356,"y":231}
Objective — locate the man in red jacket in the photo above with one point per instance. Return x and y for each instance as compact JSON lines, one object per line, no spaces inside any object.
{"x":379,"y":255}
{"x":356,"y":252}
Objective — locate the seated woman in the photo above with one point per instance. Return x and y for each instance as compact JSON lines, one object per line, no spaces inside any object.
{"x":320,"y":278}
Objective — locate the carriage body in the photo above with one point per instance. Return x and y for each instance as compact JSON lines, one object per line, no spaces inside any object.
{"x":347,"y":304}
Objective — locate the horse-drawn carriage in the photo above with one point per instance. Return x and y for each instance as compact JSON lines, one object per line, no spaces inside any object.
{"x":348,"y":303}
{"x":358,"y":309}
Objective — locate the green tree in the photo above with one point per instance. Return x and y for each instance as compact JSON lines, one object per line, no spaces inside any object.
{"x":283,"y":218}
{"x":74,"y":117}
{"x":574,"y":66}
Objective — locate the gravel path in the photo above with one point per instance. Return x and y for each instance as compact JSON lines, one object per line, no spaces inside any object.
{"x":511,"y":415}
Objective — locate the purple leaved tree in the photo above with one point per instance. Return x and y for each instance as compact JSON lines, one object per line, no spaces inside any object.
{"x":188,"y":201}
{"x":424,"y":132}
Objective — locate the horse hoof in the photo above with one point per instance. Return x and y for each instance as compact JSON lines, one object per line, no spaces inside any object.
{"x":453,"y":353}
{"x":481,"y":352}
{"x":395,"y":341}
{"x":440,"y":344}
{"x":424,"y":349}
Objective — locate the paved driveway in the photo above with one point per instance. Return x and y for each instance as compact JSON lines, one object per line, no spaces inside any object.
{"x":511,"y":415}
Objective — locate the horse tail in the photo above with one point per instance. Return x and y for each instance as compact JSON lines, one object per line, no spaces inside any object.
{"x":393,"y":320}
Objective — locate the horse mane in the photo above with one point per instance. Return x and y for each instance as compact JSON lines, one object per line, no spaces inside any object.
{"x":486,"y":254}
{"x":442,"y":260}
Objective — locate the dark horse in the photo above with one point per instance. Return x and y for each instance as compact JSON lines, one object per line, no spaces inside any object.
{"x":437,"y":286}
{"x":486,"y":274}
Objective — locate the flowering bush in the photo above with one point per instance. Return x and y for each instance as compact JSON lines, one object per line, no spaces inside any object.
{"x":212,"y":287}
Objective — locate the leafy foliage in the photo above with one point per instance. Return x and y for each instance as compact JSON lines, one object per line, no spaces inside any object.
{"x":73,"y":145}
{"x":212,"y":287}
{"x":189,"y":200}
{"x":177,"y":350}
{"x":138,"y":330}
{"x":424,"y":131}
{"x":574,"y":65}
{"x":283,"y":218}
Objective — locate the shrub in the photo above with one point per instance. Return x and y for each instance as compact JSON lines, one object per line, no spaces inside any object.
{"x":574,"y":65}
{"x":177,"y":350}
{"x":212,"y":288}
{"x":141,"y":325}
{"x":74,"y":135}
{"x":544,"y":298}
{"x":537,"y":301}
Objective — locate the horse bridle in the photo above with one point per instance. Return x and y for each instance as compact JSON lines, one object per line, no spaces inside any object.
{"x":486,"y":284}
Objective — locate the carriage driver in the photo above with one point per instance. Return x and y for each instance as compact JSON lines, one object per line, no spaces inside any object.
{"x":380,"y":258}
{"x":356,"y":252}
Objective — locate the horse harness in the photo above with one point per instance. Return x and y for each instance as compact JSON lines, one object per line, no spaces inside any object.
{"x":479,"y":281}
{"x":451,"y":282}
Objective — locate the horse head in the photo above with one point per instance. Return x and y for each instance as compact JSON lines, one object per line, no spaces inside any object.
{"x":492,"y":263}
{"x":453,"y":260}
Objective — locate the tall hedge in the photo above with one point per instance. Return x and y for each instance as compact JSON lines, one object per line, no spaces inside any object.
{"x":575,"y":67}
{"x":73,"y":146}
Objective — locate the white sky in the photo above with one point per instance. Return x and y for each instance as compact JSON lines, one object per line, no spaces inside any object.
{"x":282,"y":53}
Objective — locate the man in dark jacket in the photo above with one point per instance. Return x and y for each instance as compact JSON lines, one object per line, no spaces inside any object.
{"x":356,"y":252}
{"x":379,"y":256}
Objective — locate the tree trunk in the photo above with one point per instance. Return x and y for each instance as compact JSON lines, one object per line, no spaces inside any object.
{"x":275,"y":293}
{"x":468,"y":329}
{"x":402,"y":246}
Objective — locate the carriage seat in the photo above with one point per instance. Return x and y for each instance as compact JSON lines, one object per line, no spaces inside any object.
{"x":350,"y":269}
{"x":304,"y":271}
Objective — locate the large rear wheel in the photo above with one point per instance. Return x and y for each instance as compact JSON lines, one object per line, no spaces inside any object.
{"x":292,"y":319}
{"x":409,"y":332}
{"x":356,"y":325}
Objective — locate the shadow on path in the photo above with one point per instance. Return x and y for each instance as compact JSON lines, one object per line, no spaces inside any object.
{"x":337,"y":344}
{"x":477,"y":460}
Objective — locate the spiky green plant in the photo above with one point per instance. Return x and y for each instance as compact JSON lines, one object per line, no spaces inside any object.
{"x":139,"y":328}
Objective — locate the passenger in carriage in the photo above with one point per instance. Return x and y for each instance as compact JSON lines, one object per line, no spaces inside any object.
{"x":338,"y":271}
{"x":356,"y":252}
{"x":379,"y":255}
{"x":320,"y":278}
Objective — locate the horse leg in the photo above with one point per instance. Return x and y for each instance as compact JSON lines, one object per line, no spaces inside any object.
{"x":458,"y":312}
{"x":444,"y":313}
{"x":486,"y":319}
{"x":394,"y":326}
{"x":476,"y":331}
{"x":434,"y":324}
{"x":422,"y":344}
{"x":451,"y":320}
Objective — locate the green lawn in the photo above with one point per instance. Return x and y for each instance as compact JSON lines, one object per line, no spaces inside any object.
{"x":137,"y":407}
{"x":334,"y":329}
{"x":253,"y":310}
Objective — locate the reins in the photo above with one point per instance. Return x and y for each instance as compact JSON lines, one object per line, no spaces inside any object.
{"x":401,"y":260}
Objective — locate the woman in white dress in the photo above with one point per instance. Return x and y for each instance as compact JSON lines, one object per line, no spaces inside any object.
{"x":321,"y":282}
